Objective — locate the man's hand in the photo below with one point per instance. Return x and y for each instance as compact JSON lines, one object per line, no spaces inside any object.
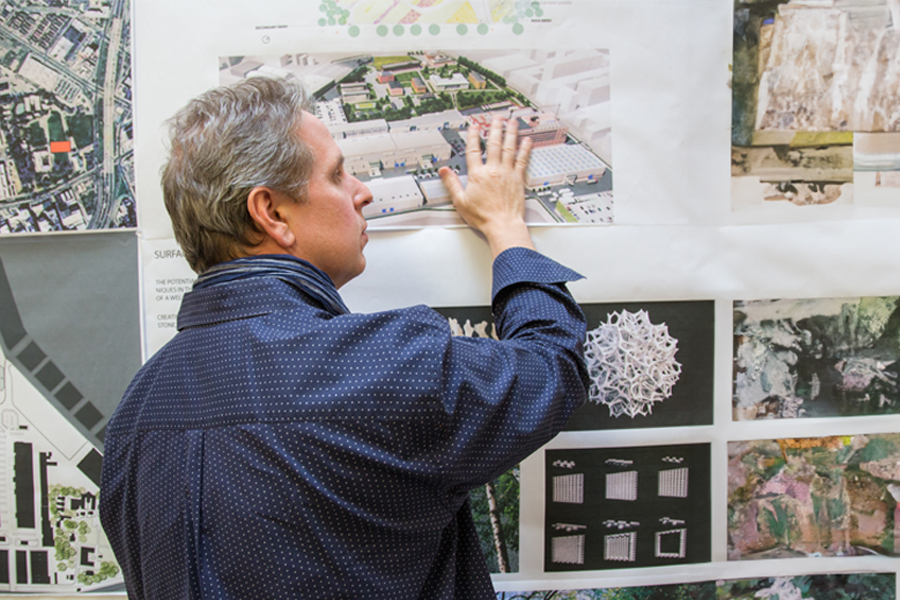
{"x":493,"y":201}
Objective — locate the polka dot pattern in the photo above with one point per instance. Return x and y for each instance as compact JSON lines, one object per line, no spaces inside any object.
{"x":275,"y":450}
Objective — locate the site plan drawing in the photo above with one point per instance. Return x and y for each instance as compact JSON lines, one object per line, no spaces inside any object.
{"x":51,"y":533}
{"x":69,"y":344}
{"x":66,"y":158}
{"x":399,"y":118}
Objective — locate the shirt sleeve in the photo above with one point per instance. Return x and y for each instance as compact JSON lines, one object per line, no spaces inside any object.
{"x":506,"y":398}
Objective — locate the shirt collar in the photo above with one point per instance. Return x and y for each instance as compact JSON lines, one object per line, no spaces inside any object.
{"x":254,"y":286}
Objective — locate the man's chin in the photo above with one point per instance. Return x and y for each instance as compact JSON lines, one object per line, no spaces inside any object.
{"x":359,"y":270}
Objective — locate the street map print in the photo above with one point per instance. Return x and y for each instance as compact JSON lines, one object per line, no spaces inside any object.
{"x":66,"y":158}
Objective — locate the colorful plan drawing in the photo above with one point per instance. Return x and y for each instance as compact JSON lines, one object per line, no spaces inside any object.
{"x":66,"y":158}
{"x":391,"y":12}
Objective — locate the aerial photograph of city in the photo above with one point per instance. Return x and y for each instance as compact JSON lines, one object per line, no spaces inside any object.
{"x":66,"y":147}
{"x":399,"y":118}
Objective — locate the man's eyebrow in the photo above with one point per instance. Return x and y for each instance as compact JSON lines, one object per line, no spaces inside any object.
{"x":338,"y":162}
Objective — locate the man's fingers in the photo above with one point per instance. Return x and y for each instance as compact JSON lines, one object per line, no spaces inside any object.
{"x":509,"y":142}
{"x":523,"y":156}
{"x":494,"y":144}
{"x":452,"y":183}
{"x":473,"y":148}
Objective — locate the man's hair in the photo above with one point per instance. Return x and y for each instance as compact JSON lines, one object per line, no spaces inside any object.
{"x":222,"y":145}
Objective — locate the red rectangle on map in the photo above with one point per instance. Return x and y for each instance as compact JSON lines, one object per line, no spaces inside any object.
{"x":56,"y":147}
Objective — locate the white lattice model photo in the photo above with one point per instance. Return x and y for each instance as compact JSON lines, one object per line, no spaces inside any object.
{"x":632,"y":363}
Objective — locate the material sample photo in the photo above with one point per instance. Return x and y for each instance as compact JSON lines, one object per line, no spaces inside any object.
{"x":828,"y":496}
{"x":826,"y":357}
{"x":651,"y":365}
{"x":839,"y":586}
{"x":807,"y":77}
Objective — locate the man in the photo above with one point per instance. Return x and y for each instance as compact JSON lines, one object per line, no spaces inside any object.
{"x":280,"y":446}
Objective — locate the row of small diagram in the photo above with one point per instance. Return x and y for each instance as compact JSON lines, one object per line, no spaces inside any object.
{"x":618,"y":547}
{"x":672,"y":483}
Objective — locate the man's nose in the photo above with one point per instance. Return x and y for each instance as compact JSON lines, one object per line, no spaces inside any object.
{"x":364,"y":194}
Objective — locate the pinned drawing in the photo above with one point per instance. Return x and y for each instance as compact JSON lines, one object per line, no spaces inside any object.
{"x":632,"y":363}
{"x":636,"y":510}
{"x":418,"y":17}
{"x":828,"y":496}
{"x":810,"y":81}
{"x":54,"y":407}
{"x":828,"y":586}
{"x":399,"y":118}
{"x":650,"y":364}
{"x":66,"y":136}
{"x":816,"y":357}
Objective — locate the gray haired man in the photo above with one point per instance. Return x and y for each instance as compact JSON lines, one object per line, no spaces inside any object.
{"x":281,"y":446}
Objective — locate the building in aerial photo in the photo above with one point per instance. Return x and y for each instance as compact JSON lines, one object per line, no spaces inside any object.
{"x":369,"y":155}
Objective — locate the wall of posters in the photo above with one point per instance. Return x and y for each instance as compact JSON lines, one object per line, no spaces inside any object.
{"x":726,"y":175}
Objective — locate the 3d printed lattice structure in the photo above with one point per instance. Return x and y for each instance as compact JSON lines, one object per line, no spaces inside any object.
{"x":632,"y":363}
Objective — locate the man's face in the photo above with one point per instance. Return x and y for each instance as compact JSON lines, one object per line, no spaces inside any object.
{"x":329,"y":226}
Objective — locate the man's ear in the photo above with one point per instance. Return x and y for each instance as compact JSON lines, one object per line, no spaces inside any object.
{"x":265,"y":206}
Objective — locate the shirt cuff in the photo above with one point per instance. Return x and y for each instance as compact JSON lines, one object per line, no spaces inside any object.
{"x":519,"y":265}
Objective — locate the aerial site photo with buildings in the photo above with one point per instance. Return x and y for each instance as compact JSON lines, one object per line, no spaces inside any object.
{"x":66,"y":158}
{"x":399,"y":118}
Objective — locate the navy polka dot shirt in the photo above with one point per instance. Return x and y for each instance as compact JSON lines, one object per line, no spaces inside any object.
{"x":276,"y":450}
